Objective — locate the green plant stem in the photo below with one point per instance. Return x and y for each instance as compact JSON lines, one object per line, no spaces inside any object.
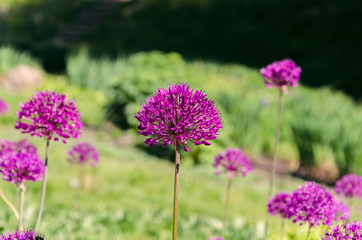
{"x":11,"y":206}
{"x":43,"y":187}
{"x":283,"y":228}
{"x":308,"y":234}
{"x":21,"y":205}
{"x":274,"y":162}
{"x":175,"y":200}
{"x":226,"y":209}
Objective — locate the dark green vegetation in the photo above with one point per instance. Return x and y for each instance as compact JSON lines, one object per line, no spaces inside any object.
{"x":321,"y":36}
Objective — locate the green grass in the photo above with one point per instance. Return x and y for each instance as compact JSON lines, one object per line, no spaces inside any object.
{"x":132,"y":198}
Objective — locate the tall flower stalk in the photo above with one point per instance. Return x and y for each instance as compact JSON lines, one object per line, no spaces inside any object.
{"x":48,"y":115}
{"x":280,"y":74}
{"x":232,"y":162}
{"x":175,"y":115}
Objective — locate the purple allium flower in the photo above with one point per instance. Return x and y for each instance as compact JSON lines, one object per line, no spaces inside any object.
{"x":313,"y":204}
{"x":19,"y":167}
{"x":349,"y":186}
{"x":4,"y":108}
{"x":21,"y":235}
{"x":83,"y":153}
{"x":49,"y":115}
{"x":345,"y":231}
{"x":23,"y":146}
{"x":280,"y":204}
{"x":218,"y":238}
{"x":178,"y":113}
{"x":342,"y":210}
{"x":281,"y":74}
{"x":232,"y":162}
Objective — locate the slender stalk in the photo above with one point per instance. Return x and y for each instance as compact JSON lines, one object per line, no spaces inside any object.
{"x":274,"y":163}
{"x":308,"y":234}
{"x":43,"y":187}
{"x":11,"y":206}
{"x":226,"y":209}
{"x":175,"y":199}
{"x":283,"y":228}
{"x":21,"y":205}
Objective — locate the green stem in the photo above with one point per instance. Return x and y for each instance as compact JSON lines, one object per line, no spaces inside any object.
{"x":226,"y":209}
{"x":43,"y":187}
{"x":274,"y":163}
{"x":11,"y":206}
{"x":21,"y":207}
{"x":308,"y":234}
{"x":175,"y":200}
{"x":283,"y":228}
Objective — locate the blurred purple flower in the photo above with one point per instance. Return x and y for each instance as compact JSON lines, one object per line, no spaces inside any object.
{"x":4,"y":107}
{"x":349,"y":186}
{"x":21,"y":235}
{"x":280,"y":204}
{"x":218,"y":238}
{"x":49,"y":115}
{"x":83,"y":153}
{"x":232,"y":162}
{"x":178,"y":113}
{"x":21,"y":146}
{"x":313,"y":204}
{"x":342,"y":210}
{"x":345,"y":231}
{"x":281,"y":74}
{"x":20,"y":167}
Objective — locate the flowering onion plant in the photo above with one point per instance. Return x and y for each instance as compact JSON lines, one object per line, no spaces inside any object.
{"x":22,"y":146}
{"x":22,"y":235}
{"x":174,"y":116}
{"x":49,"y":115}
{"x":280,"y":74}
{"x":4,"y":108}
{"x":349,"y":186}
{"x":344,"y":231}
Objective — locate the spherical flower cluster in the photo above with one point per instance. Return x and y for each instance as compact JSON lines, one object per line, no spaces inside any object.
{"x":232,"y":162}
{"x":21,"y":235}
{"x":345,"y":231}
{"x":349,"y":186}
{"x":280,"y":204}
{"x":313,"y":204}
{"x":342,"y":210}
{"x":179,"y":114}
{"x":83,"y":153}
{"x":281,"y":74}
{"x":20,"y":167}
{"x":4,"y":108}
{"x":49,"y":115}
{"x":24,"y":146}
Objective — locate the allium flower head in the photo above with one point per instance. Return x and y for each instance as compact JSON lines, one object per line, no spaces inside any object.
{"x":21,"y":235}
{"x":23,"y":146}
{"x":4,"y":108}
{"x":232,"y":162}
{"x":281,"y":74}
{"x":349,"y":186}
{"x":342,"y":210}
{"x":179,"y":114}
{"x":280,"y":204}
{"x":313,"y":204}
{"x":83,"y":153}
{"x":218,"y":238}
{"x":20,"y":167}
{"x":49,"y":115}
{"x":345,"y":231}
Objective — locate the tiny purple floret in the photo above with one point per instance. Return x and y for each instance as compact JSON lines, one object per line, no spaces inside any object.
{"x":21,"y":235}
{"x":50,"y":115}
{"x":349,"y":186}
{"x":281,"y":74}
{"x":232,"y":162}
{"x":344,"y":231}
{"x":179,"y":114}
{"x":83,"y":153}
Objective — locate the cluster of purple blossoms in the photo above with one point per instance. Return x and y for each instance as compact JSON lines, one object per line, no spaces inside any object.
{"x":311,"y":203}
{"x":83,"y":153}
{"x":179,"y":114}
{"x":21,"y":235}
{"x":23,"y":146}
{"x":4,"y":108}
{"x":48,"y":114}
{"x":20,"y":167}
{"x":232,"y":162}
{"x":349,"y":186}
{"x":218,"y":238}
{"x":280,"y":204}
{"x":281,"y":74}
{"x":345,"y":231}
